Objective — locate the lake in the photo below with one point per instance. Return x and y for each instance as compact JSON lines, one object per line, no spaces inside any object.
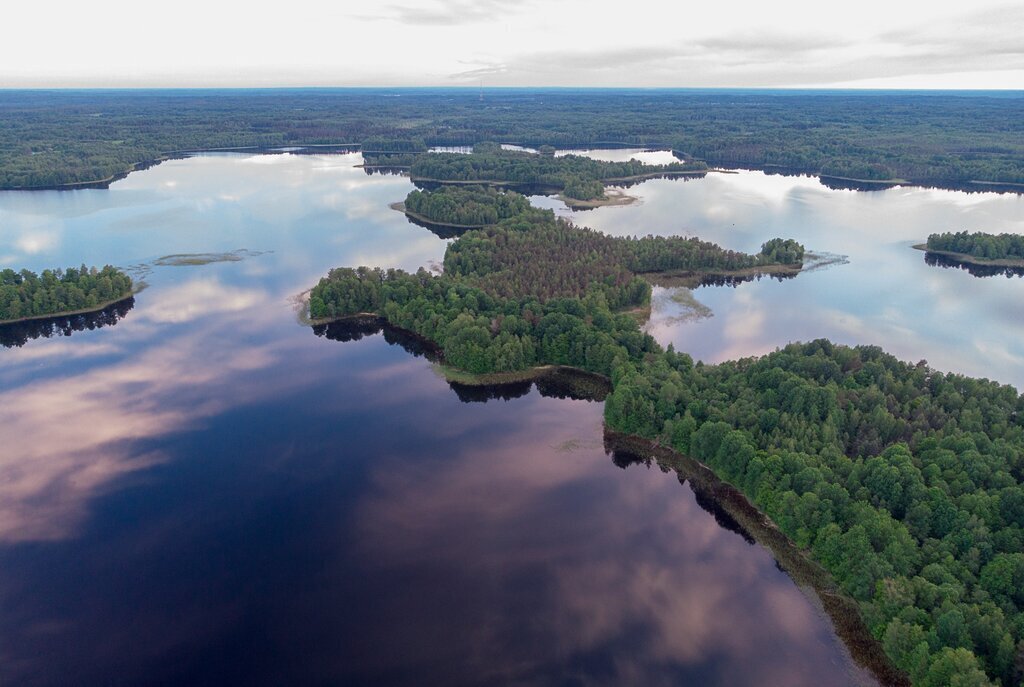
{"x":197,"y":489}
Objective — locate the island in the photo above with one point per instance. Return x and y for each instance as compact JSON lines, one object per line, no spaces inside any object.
{"x":462,"y":207}
{"x":978,"y":248}
{"x":891,"y":489}
{"x":26,"y":295}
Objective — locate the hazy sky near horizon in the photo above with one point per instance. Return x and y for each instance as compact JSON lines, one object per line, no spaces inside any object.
{"x":644,"y":43}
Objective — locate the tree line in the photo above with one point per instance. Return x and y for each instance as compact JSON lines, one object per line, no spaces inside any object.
{"x":574,"y":175}
{"x":27,"y":294}
{"x":57,"y":137}
{"x":979,"y":245}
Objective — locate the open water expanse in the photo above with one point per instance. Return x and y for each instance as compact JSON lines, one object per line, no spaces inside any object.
{"x":197,"y":489}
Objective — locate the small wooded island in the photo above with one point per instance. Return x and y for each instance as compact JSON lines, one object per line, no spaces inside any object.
{"x":26,"y":295}
{"x":903,"y":483}
{"x":463,"y":207}
{"x":998,"y":250}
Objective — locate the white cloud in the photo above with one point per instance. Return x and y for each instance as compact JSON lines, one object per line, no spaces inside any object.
{"x":567,"y":42}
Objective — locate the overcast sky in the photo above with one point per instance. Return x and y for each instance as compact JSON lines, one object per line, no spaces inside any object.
{"x":649,"y":43}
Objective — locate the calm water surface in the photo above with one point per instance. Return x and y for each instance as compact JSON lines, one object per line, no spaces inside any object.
{"x":202,"y":491}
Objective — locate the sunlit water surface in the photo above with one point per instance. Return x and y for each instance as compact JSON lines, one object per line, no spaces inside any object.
{"x":204,"y":492}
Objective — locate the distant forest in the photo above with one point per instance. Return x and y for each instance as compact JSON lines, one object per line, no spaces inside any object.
{"x":574,"y":175}
{"x":52,"y":138}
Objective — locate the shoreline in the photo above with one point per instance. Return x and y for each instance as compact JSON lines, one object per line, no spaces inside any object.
{"x":71,"y":313}
{"x":693,"y":278}
{"x":971,"y":259}
{"x":808,"y":575}
{"x":812,"y":579}
{"x":143,"y":165}
{"x":400,"y":207}
{"x":968,"y":186}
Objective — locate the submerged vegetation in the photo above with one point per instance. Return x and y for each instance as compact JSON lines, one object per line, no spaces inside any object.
{"x":27,"y":295}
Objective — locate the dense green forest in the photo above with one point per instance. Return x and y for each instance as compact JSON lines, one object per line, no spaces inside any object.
{"x":466,"y":205}
{"x":533,"y":254}
{"x":948,"y":139}
{"x":530,"y":290}
{"x":903,"y":482}
{"x":27,"y":294}
{"x":574,"y":175}
{"x":979,"y":245}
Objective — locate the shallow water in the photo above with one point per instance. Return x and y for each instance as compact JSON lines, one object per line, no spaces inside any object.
{"x":203,"y":491}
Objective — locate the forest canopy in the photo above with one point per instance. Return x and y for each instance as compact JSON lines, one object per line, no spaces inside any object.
{"x":51,"y":137}
{"x":466,"y":205}
{"x":903,"y":482}
{"x":530,"y":290}
{"x":26,"y":294}
{"x":576,"y":176}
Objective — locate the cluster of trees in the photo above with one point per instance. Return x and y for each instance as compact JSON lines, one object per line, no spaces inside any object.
{"x":481,"y":333}
{"x":574,"y":175}
{"x":466,"y":205}
{"x":782,"y":251}
{"x":979,"y":245}
{"x":535,"y":254}
{"x":905,"y":483}
{"x":27,"y":294}
{"x":54,"y":137}
{"x":527,"y":291}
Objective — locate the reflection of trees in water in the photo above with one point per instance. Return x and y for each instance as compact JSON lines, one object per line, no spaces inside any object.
{"x":704,"y":498}
{"x":945,"y":261}
{"x":481,"y":393}
{"x":356,"y":328}
{"x":440,"y":230}
{"x":552,"y":383}
{"x":736,"y":280}
{"x":19,"y":333}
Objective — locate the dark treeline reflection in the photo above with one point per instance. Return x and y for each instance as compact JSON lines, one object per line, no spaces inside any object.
{"x":735,"y":280}
{"x":561,"y":383}
{"x":937,"y":260}
{"x":704,"y":498}
{"x":442,"y":231}
{"x":356,"y":328}
{"x":554,"y":382}
{"x":17,"y":334}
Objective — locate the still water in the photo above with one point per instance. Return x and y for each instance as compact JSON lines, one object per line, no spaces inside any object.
{"x":196,"y":489}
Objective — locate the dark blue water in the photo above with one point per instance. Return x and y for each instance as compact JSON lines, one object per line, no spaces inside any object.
{"x":196,"y":489}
